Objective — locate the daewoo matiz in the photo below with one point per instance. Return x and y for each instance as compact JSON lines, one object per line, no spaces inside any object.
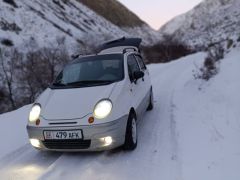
{"x":95,"y":102}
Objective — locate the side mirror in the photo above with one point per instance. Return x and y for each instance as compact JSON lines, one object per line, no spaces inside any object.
{"x":137,"y":75}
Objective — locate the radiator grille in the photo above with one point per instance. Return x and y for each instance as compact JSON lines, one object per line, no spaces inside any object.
{"x":67,"y":144}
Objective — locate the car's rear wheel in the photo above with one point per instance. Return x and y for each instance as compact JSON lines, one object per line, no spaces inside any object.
{"x":131,"y":133}
{"x":150,"y":106}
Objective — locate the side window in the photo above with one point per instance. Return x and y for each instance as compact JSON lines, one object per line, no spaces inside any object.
{"x":132,"y":66}
{"x":141,"y":63}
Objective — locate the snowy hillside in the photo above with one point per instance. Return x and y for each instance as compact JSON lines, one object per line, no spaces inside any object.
{"x":27,"y":21}
{"x":212,"y":21}
{"x":192,"y":133}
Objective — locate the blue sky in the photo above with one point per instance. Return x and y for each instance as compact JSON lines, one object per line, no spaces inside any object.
{"x":158,"y":12}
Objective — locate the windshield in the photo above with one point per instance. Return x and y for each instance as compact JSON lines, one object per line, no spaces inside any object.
{"x":91,"y":71}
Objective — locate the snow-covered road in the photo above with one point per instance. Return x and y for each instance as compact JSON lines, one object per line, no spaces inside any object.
{"x":172,"y":138}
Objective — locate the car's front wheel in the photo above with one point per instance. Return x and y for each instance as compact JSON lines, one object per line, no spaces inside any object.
{"x":131,"y":133}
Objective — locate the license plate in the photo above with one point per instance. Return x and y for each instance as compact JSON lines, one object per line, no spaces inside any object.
{"x":61,"y":135}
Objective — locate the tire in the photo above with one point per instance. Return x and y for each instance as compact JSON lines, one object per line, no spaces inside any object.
{"x":150,"y":106}
{"x":131,"y":133}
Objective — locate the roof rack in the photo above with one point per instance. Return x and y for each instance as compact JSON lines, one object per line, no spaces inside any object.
{"x":129,"y":49}
{"x":135,"y":42}
{"x":75,"y":56}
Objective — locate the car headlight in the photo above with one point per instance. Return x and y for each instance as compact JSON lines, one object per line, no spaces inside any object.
{"x":102,"y":109}
{"x":34,"y":113}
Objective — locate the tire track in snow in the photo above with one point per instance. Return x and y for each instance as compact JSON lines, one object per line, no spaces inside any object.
{"x":26,"y":163}
{"x":181,"y":79}
{"x":71,"y":161}
{"x":171,"y":123}
{"x":174,"y":139}
{"x":173,"y":79}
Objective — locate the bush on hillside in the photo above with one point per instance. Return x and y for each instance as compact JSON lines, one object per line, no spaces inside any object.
{"x":11,"y":2}
{"x":229,"y":43}
{"x":211,"y":64}
{"x":7,"y":42}
{"x":3,"y":100}
{"x":23,"y":76}
{"x":238,"y":40}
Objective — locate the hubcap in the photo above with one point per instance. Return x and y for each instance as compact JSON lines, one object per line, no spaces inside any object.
{"x":134,"y":131}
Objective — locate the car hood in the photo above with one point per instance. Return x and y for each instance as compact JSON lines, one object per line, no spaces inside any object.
{"x":67,"y":104}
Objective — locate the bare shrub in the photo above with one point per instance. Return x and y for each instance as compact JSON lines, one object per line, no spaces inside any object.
{"x":238,"y":40}
{"x":167,"y":50}
{"x":59,"y":4}
{"x":25,"y":75}
{"x":7,"y":42}
{"x":7,"y":67}
{"x":3,"y":100}
{"x":229,"y":43}
{"x":39,"y":69}
{"x":11,"y":2}
{"x":211,"y":64}
{"x":7,"y":26}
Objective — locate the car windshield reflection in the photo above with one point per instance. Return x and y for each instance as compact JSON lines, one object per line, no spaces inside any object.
{"x":91,"y":71}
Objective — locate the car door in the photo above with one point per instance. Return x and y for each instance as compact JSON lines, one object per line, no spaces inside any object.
{"x":136,"y":87}
{"x":146,"y":84}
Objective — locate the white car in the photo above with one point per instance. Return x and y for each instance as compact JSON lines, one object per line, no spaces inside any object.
{"x":95,"y":102}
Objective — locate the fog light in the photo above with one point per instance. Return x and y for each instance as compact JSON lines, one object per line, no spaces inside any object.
{"x":107,"y":140}
{"x":35,"y":143}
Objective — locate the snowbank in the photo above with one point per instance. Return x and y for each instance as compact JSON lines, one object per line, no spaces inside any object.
{"x":192,"y":133}
{"x":13,"y":130}
{"x":207,"y":121}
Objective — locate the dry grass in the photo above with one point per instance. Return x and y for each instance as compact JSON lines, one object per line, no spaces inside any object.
{"x":114,"y":12}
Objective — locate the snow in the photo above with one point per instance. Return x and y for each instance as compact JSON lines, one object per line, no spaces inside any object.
{"x":173,"y":25}
{"x":192,"y":133}
{"x":46,"y":22}
{"x":211,"y":21}
{"x":40,"y":20}
{"x":208,"y":124}
{"x":13,"y":130}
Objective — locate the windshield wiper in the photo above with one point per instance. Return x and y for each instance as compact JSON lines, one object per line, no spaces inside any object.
{"x":58,"y":84}
{"x":90,"y":82}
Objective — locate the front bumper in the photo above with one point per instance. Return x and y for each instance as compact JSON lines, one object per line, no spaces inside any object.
{"x":92,"y":136}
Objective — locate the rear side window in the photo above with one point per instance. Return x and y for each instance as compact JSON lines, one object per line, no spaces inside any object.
{"x":141,"y":63}
{"x":132,"y":66}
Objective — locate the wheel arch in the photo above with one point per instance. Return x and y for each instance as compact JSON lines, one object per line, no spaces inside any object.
{"x":132,"y":111}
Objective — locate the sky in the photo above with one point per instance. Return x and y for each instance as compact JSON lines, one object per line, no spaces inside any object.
{"x":158,"y":12}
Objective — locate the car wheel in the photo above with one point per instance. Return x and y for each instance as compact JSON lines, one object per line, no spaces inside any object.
{"x":131,"y":133}
{"x":150,"y":106}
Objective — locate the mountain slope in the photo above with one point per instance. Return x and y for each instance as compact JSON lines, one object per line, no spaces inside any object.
{"x":45,"y":21}
{"x":114,"y":12}
{"x":212,"y":21}
{"x":119,"y":15}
